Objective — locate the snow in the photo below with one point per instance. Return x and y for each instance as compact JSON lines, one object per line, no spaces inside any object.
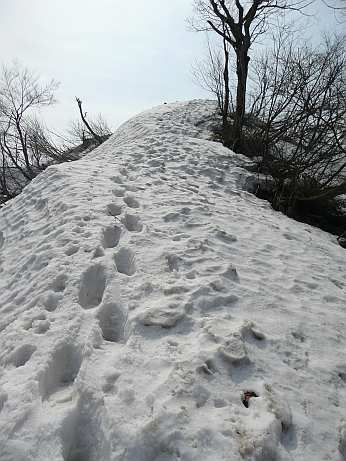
{"x":144,"y":291}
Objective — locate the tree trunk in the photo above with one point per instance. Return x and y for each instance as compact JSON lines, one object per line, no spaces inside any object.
{"x":84,"y":120}
{"x":24,"y":145}
{"x":242,"y":74}
{"x":225,"y":110}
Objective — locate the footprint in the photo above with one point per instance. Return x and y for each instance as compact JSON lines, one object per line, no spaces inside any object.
{"x":28,"y":322}
{"x":341,"y":372}
{"x":172,"y":217}
{"x":234,"y":352}
{"x":113,"y":209}
{"x":51,"y":301}
{"x":118,"y":192}
{"x":59,"y":283}
{"x":71,"y":250}
{"x":133,"y":222}
{"x":3,"y":399}
{"x":112,"y":321}
{"x":342,"y":440}
{"x":173,"y":262}
{"x":21,"y":355}
{"x":77,"y":230}
{"x":84,"y":436}
{"x":131,"y":201}
{"x":40,"y":326}
{"x":125,"y":261}
{"x":117,"y":179}
{"x":92,"y":286}
{"x":123,"y":171}
{"x":159,"y":317}
{"x":215,"y":302}
{"x":225,"y":236}
{"x":231,"y":273}
{"x":111,"y":236}
{"x":110,"y":379}
{"x":2,"y":239}
{"x":289,"y":236}
{"x":62,"y":370}
{"x":41,"y":204}
{"x":98,"y":252}
{"x":267,"y":453}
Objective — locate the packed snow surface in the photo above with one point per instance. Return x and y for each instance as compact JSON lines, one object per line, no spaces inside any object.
{"x":153,"y":309}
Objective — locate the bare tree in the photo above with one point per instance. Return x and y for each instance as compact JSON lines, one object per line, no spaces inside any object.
{"x":26,"y":145}
{"x":98,"y":129}
{"x":47,"y":147}
{"x":212,"y":74}
{"x":240,"y":23}
{"x":78,"y":132}
{"x":301,"y":116}
{"x":21,"y":93}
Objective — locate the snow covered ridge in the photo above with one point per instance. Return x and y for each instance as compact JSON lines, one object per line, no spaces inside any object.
{"x":153,"y":310}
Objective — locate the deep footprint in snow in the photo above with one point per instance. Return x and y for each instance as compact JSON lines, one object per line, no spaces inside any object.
{"x":52,"y":300}
{"x":59,"y":283}
{"x":2,"y":239}
{"x":118,"y":192}
{"x":131,"y":201}
{"x":159,"y":317}
{"x":111,"y":236}
{"x":207,"y":303}
{"x":132,"y":222}
{"x":125,"y":261}
{"x":342,"y":441}
{"x":61,"y":371}
{"x":114,"y":209}
{"x":112,"y":320}
{"x":225,"y":236}
{"x":123,"y":171}
{"x":92,"y":286}
{"x":3,"y":399}
{"x":21,"y":355}
{"x":84,"y":438}
{"x":30,"y":321}
{"x":40,"y":327}
{"x":117,"y":179}
{"x":233,"y":351}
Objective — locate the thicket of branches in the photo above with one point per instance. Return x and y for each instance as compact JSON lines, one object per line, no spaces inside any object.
{"x":240,"y":24}
{"x":21,"y":93}
{"x":89,"y":132}
{"x":299,"y":114}
{"x":297,"y":127}
{"x":26,"y":146}
{"x":293,"y":112}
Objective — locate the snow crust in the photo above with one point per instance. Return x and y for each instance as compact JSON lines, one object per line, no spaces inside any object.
{"x":144,"y":291}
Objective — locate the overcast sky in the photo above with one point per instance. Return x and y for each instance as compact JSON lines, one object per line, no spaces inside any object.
{"x":118,"y":56}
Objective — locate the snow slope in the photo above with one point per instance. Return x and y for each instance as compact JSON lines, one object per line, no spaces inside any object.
{"x":143,"y":290}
